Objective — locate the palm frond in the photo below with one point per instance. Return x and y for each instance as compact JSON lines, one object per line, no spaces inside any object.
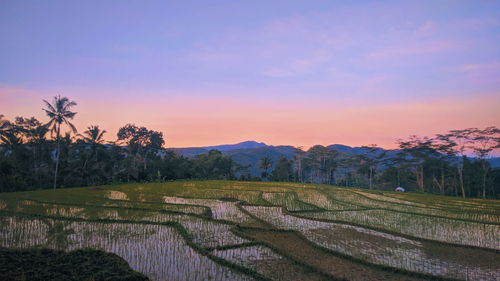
{"x":49,"y":106}
{"x":73,"y":128}
{"x":68,"y":104}
{"x":69,"y":114}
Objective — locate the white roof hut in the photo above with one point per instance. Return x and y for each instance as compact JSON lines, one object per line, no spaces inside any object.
{"x":399,"y":188}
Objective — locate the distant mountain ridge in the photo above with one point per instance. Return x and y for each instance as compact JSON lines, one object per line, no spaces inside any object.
{"x":240,"y":145}
{"x":193,"y":151}
{"x":249,"y":153}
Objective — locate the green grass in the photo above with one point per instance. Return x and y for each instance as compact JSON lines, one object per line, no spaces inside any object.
{"x":403,"y":233}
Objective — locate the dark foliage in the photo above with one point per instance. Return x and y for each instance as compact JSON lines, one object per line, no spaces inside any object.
{"x":46,"y":264}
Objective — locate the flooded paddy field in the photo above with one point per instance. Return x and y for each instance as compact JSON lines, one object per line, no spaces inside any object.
{"x":228,"y":230}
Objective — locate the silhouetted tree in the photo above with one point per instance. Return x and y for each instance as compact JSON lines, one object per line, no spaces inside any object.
{"x":94,"y":136}
{"x":141,"y":143}
{"x":418,"y":150}
{"x":213,"y":165}
{"x":484,"y":142}
{"x":455,"y":144}
{"x":265,"y":164}
{"x":283,"y":170}
{"x":59,"y":114}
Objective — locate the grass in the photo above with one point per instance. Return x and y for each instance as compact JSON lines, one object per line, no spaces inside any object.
{"x":223,"y":230}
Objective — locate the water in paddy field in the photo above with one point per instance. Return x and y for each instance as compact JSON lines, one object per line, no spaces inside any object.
{"x":160,"y":252}
{"x":155,"y":250}
{"x":220,"y":210}
{"x":387,"y":249}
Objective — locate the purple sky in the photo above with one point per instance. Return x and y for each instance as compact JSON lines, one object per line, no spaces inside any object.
{"x":302,"y":72}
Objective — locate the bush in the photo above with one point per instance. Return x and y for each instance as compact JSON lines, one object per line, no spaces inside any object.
{"x":45,"y":264}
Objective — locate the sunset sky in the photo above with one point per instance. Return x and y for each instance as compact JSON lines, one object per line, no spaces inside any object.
{"x":281,"y":72}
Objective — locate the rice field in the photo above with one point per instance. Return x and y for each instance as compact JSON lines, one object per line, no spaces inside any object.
{"x":228,"y":230}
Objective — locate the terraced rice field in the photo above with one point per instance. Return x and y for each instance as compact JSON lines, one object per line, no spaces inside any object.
{"x":227,"y":230}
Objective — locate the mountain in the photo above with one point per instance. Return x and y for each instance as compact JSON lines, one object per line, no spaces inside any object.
{"x":189,"y":152}
{"x":193,"y":151}
{"x":241,"y":145}
{"x":348,"y":149}
{"x":374,"y":152}
{"x":495,"y":162}
{"x":249,"y":153}
{"x":252,"y":156}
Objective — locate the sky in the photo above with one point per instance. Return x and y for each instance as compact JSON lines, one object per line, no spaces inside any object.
{"x":282,"y":72}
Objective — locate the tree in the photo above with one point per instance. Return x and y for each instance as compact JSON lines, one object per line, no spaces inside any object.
{"x":33,"y":132}
{"x":298,"y":158}
{"x":59,"y":113}
{"x":141,"y":143}
{"x":213,"y":165}
{"x":485,"y":142}
{"x":283,"y":170}
{"x":4,"y":128}
{"x":9,"y":133}
{"x":94,"y":136}
{"x":417,"y":151}
{"x":369,"y":162}
{"x":265,"y":164}
{"x":321,"y":164}
{"x":455,"y":143}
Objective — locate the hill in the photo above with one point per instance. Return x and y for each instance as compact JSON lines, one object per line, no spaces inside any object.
{"x":193,"y":151}
{"x":249,"y":153}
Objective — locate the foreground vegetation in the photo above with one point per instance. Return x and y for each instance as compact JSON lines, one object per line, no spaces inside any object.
{"x":230,"y":230}
{"x":78,"y":265}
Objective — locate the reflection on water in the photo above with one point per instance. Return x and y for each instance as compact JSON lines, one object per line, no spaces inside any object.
{"x":220,"y":209}
{"x":382,"y":248}
{"x":157,"y":251}
{"x":205,"y":233}
{"x":248,"y":255}
{"x":371,"y":200}
{"x":268,"y":263}
{"x":434,"y":228}
{"x":58,"y":234}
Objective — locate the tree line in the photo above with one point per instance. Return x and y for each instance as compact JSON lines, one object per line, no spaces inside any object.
{"x":53,"y":154}
{"x":455,"y":163}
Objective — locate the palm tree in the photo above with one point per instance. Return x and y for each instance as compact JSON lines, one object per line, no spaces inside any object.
{"x":3,"y":122}
{"x":265,"y":164}
{"x":59,"y":113}
{"x":94,"y":136}
{"x":4,"y":129}
{"x":58,"y":233}
{"x":8,"y":134}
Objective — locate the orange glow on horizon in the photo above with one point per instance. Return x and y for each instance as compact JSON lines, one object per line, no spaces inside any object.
{"x":189,"y":122}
